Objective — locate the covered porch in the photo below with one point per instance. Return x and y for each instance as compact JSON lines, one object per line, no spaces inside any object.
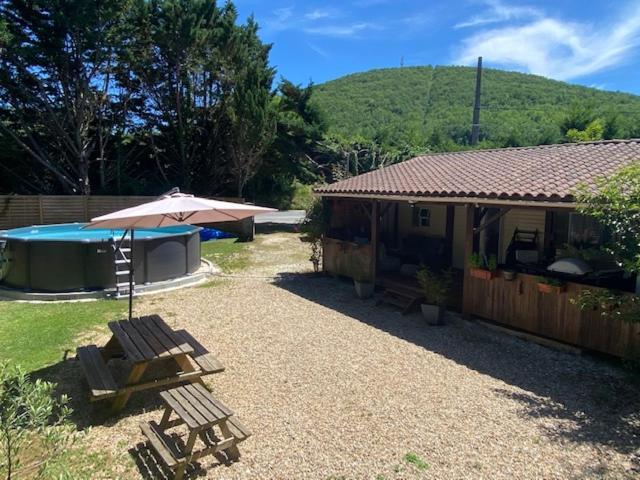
{"x":387,"y":239}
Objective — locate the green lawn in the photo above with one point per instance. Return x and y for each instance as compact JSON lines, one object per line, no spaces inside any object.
{"x":229,"y":254}
{"x":37,"y":334}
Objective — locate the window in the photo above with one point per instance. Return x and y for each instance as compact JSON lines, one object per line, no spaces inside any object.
{"x":577,"y":230}
{"x":421,"y":217}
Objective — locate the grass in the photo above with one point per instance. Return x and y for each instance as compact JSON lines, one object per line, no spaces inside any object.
{"x":416,"y":461}
{"x":37,"y":334}
{"x":229,"y":254}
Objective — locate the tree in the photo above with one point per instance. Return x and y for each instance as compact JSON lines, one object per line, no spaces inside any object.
{"x":56,"y":59}
{"x":593,"y":131}
{"x":615,"y":203}
{"x":250,"y":109}
{"x":173,"y":66}
{"x":291,"y":160}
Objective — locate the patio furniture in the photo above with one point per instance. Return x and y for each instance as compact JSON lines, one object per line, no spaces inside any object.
{"x":144,"y":342}
{"x":206,"y":419}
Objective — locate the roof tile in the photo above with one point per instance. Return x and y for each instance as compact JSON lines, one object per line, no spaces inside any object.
{"x":542,"y":173}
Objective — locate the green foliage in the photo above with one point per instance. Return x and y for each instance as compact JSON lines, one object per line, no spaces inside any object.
{"x":615,"y":202}
{"x":292,"y":160}
{"x":30,"y":419}
{"x":430,"y":107}
{"x":593,"y":131}
{"x":313,"y":228}
{"x":610,"y":304}
{"x":416,"y":461}
{"x":554,"y":282}
{"x":436,"y":287}
{"x":476,"y":260}
{"x":131,"y":96}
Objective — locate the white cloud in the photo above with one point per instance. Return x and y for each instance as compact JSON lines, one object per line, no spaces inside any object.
{"x":417,"y":20}
{"x":281,"y":19}
{"x":499,"y":12}
{"x":342,"y":30}
{"x":323,"y":53}
{"x":318,"y":13}
{"x":554,"y":48}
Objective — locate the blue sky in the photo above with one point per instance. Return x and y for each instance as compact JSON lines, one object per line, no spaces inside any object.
{"x":589,"y":42}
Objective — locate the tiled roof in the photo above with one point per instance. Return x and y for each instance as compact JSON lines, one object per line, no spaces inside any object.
{"x":543,"y":173}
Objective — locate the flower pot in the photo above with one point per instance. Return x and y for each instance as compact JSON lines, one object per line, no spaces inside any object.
{"x":364,"y":289}
{"x":509,"y":275}
{"x":546,"y":288}
{"x":433,"y":314}
{"x":481,"y":273}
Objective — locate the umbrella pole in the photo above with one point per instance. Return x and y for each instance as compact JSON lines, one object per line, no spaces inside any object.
{"x":131,"y":278}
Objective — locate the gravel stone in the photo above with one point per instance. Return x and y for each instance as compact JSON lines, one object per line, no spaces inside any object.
{"x":336,"y":387}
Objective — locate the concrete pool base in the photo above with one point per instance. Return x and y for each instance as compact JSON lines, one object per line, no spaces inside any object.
{"x":206,"y":270}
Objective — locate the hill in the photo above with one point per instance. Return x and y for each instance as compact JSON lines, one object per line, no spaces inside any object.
{"x":433,"y":106}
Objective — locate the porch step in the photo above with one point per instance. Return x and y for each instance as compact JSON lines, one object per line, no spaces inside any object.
{"x":407,"y":300}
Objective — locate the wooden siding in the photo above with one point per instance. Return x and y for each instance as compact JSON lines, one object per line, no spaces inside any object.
{"x":346,"y":258}
{"x":520,"y":305}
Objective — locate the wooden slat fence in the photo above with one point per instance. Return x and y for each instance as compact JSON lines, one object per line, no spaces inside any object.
{"x":25,"y":210}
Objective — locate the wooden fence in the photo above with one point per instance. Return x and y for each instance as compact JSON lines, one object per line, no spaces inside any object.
{"x":25,"y":210}
{"x":519,"y":304}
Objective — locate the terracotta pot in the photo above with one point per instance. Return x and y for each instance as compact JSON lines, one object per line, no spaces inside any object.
{"x":546,"y":288}
{"x":481,"y":273}
{"x":364,"y":289}
{"x":433,"y":314}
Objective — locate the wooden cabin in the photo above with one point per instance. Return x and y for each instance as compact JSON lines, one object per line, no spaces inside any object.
{"x":514,"y":205}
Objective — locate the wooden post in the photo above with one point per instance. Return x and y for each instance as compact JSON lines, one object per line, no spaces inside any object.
{"x":448,"y":235}
{"x":375,"y":223}
{"x":468,"y":250}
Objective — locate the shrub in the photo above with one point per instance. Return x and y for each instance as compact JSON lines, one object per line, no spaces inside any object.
{"x":30,"y":419}
{"x":436,"y":287}
{"x":313,"y":228}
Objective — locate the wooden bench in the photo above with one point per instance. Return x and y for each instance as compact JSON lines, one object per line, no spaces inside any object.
{"x":99,"y":378}
{"x":205,"y":359}
{"x":205,"y":418}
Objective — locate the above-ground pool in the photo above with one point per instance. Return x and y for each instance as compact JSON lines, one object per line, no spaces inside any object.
{"x":65,"y":258}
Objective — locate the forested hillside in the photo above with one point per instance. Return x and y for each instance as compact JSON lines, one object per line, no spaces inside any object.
{"x":432,"y":107}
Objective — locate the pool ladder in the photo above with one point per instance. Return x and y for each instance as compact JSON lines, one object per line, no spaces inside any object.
{"x":122,"y":256}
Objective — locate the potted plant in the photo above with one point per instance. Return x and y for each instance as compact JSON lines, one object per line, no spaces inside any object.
{"x":509,"y":274}
{"x":363,"y":285}
{"x":483,"y":267}
{"x":551,"y":285}
{"x":436,"y":288}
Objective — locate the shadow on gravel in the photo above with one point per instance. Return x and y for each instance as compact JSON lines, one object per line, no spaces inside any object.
{"x":69,"y":378}
{"x":603,"y":405}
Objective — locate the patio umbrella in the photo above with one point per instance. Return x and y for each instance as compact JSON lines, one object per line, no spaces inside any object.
{"x":172,"y":208}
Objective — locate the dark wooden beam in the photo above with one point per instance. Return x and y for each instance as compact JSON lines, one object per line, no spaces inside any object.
{"x":468,"y":251}
{"x":375,"y":233}
{"x":448,"y":232}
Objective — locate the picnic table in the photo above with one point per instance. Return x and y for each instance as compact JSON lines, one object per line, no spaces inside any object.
{"x":143,"y":342}
{"x":206,"y":419}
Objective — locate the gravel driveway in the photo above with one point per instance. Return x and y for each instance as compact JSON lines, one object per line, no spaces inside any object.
{"x":335,"y":387}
